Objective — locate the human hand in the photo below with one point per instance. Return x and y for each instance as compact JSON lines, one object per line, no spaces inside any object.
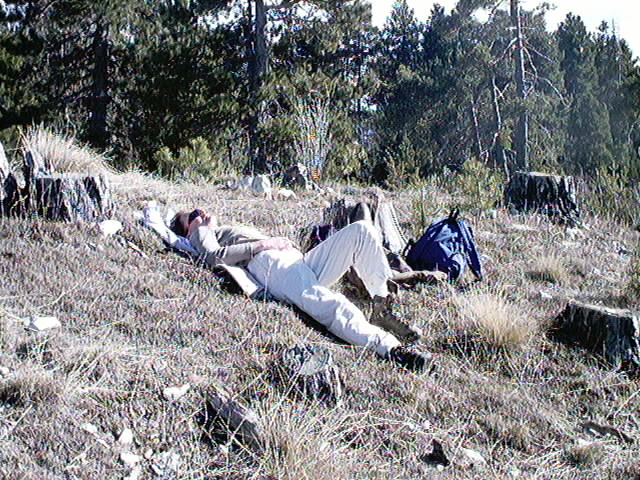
{"x":274,"y":243}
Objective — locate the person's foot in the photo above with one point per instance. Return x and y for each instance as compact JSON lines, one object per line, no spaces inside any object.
{"x":384,"y":317}
{"x":412,"y":358}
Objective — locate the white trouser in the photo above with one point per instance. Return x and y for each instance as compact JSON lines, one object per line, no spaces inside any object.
{"x":303,"y":280}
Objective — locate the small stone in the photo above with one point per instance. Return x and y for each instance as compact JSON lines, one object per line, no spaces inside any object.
{"x":545,"y":295}
{"x":224,"y":449}
{"x":326,"y":204}
{"x":521,"y":228}
{"x":286,"y":194}
{"x":134,"y":474}
{"x":4,"y":371}
{"x":125,"y":437}
{"x":109,"y":227}
{"x":474,"y":456}
{"x":41,"y":323}
{"x":174,"y":393}
{"x":166,"y":462}
{"x":89,"y":428}
{"x":148,"y":453}
{"x":130,"y":459}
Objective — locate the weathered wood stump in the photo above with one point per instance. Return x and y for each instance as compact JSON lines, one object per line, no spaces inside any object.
{"x":61,"y":197}
{"x":308,"y":372}
{"x":227,"y":418}
{"x":71,"y":198}
{"x":553,"y":195}
{"x":297,"y":176}
{"x":614,"y":334}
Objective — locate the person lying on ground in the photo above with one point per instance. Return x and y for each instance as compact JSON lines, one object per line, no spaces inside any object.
{"x":303,"y":280}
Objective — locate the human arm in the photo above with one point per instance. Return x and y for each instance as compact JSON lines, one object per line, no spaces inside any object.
{"x":231,"y":245}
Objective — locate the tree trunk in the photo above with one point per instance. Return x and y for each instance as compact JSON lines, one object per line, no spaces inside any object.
{"x":522,"y":127}
{"x":497,"y":149}
{"x":99,"y":95}
{"x":613,"y":334}
{"x":258,"y":66}
{"x":477,"y":147}
{"x":553,"y":195}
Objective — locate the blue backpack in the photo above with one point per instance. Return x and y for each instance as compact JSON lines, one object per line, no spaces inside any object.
{"x":447,"y":246}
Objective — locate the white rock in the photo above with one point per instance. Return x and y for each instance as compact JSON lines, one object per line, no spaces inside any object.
{"x":286,"y":194}
{"x":148,"y":453}
{"x":330,"y":191}
{"x":134,"y":474}
{"x":261,"y":185}
{"x":130,"y":459}
{"x":109,"y":227}
{"x":40,"y":323}
{"x":4,"y":371}
{"x":474,"y":456}
{"x":89,"y":428}
{"x":522,"y":228}
{"x":174,"y":393}
{"x":326,"y":204}
{"x":166,"y":462}
{"x":545,"y":295}
{"x":125,"y":437}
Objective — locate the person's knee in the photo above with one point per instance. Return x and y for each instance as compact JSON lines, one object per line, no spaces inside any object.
{"x":365,"y":227}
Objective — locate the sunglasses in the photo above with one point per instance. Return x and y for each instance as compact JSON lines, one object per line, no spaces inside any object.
{"x":195,"y":214}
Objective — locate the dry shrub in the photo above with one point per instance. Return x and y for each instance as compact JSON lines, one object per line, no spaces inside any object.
{"x":62,"y":154}
{"x":301,"y":445}
{"x":31,"y":384}
{"x":586,"y":455}
{"x":92,"y":362}
{"x":549,"y":268}
{"x":492,"y":317}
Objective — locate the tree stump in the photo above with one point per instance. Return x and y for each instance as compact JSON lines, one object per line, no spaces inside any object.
{"x":553,"y":195}
{"x":225,"y":417}
{"x":613,"y":334}
{"x":71,"y":198}
{"x":297,"y":176}
{"x":309,"y":372}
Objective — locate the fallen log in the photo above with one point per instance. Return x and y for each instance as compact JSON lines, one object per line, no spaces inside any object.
{"x":613,"y":334}
{"x":552,"y":195}
{"x":226,"y":417}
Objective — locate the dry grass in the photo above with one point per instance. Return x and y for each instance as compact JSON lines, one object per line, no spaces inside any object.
{"x":494,"y":318}
{"x":63,"y":154}
{"x":550,"y":268}
{"x":133,"y":325}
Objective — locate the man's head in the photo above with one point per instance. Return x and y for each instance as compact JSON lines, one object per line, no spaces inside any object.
{"x":181,"y":221}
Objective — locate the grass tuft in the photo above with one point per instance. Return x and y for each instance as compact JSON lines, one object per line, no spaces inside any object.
{"x":63,"y":154}
{"x":493,"y":318}
{"x":30,"y":384}
{"x":550,"y":268}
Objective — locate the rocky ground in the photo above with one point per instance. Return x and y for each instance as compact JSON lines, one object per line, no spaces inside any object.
{"x":89,"y":398}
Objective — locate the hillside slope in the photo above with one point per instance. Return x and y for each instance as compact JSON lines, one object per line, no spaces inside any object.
{"x":138,"y":320}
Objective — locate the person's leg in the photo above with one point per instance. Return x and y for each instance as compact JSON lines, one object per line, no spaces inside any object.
{"x":295,"y":283}
{"x":357,"y":245}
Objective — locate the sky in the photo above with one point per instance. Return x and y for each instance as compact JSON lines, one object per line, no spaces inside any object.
{"x":624,"y":13}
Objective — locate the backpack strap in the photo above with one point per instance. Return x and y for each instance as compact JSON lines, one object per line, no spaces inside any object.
{"x":470,"y":249}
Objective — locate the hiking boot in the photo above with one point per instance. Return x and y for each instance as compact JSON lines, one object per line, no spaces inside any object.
{"x":411,"y":358}
{"x":384,"y":317}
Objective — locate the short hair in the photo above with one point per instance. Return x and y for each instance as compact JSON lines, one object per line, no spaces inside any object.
{"x":176,"y":225}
